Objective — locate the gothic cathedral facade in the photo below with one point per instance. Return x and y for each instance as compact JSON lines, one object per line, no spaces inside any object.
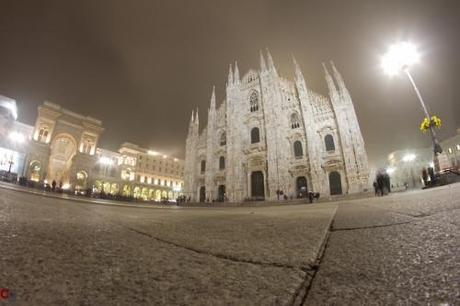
{"x":272,"y":138}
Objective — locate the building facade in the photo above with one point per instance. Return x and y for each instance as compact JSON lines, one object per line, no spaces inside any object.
{"x":450,"y":157}
{"x":14,"y":136}
{"x":405,"y":167}
{"x":62,"y":146}
{"x":271,"y":137}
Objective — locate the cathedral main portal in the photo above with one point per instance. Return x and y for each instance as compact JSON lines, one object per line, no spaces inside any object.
{"x":257,"y":185}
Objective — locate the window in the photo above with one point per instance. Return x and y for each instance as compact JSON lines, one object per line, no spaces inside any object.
{"x":450,"y":150}
{"x":298,"y":151}
{"x":223,"y":139}
{"x":126,"y":174}
{"x":222,"y":163}
{"x":329,"y":142}
{"x":43,"y":134}
{"x":255,"y":137}
{"x":203,"y":166}
{"x":458,"y":147}
{"x":295,"y":122}
{"x":254,"y":102}
{"x":87,"y":146}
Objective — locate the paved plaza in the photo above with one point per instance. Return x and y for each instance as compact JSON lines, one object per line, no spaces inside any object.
{"x":401,"y":249}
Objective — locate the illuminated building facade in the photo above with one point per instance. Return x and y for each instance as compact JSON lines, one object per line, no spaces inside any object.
{"x":14,"y":137}
{"x":62,"y":146}
{"x":273,"y":135}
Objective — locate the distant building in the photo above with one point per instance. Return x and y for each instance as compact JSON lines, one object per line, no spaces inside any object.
{"x":14,"y":138}
{"x":450,"y":158}
{"x":272,"y":135}
{"x":406,"y":166}
{"x":63,"y":147}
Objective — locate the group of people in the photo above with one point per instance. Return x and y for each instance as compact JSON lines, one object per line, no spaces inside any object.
{"x":382,"y":184}
{"x":183,"y":199}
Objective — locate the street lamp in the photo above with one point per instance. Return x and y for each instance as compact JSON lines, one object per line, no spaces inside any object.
{"x":409,"y":157}
{"x":399,"y":58}
{"x":390,"y":170}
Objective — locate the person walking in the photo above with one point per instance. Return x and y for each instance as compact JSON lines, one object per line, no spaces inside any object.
{"x":376,"y":188}
{"x":380,"y":183}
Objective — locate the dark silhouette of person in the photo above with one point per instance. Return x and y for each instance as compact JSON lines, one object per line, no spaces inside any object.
{"x":380,"y":183}
{"x":53,"y":185}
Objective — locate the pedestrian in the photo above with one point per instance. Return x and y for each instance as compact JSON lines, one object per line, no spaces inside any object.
{"x":310,"y":196}
{"x":53,"y":185}
{"x":376,"y":188}
{"x":380,"y":183}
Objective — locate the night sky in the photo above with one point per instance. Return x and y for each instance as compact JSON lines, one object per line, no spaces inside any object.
{"x":141,"y":66}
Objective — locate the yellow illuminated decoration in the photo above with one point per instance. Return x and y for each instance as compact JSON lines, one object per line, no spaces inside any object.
{"x":427,"y":123}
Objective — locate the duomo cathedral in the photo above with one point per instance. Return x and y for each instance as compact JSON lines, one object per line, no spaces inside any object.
{"x":274,"y":137}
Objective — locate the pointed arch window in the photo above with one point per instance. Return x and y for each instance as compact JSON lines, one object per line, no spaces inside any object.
{"x":255,"y":135}
{"x":295,"y":121}
{"x":203,"y":166}
{"x":298,"y":150}
{"x":223,"y":139}
{"x":221,"y":163}
{"x":329,"y":142}
{"x":254,"y":102}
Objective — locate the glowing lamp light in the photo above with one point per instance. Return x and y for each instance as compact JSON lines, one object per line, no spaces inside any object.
{"x":154,"y":153}
{"x":17,"y":137}
{"x":66,"y":186}
{"x":390,"y":170}
{"x":10,"y":105}
{"x":105,"y":160}
{"x":431,"y":165}
{"x":408,"y":157}
{"x":400,"y":56}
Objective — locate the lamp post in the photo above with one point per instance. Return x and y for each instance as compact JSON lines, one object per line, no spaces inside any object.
{"x":399,"y":58}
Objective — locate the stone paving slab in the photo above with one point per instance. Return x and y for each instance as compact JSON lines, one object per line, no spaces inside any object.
{"x":414,"y":263}
{"x":290,"y":236}
{"x":420,"y":202}
{"x":63,"y":255}
{"x":359,"y":215}
{"x":58,"y":252}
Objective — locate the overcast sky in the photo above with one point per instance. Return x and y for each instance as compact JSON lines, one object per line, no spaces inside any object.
{"x":141,"y":66}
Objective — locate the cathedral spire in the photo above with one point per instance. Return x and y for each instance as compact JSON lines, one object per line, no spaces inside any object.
{"x":197,"y":119}
{"x":338,"y":77}
{"x":192,"y":119}
{"x":298,"y":71}
{"x":330,"y":83}
{"x":236,"y":75}
{"x":213,"y":99}
{"x":230,"y":76}
{"x":271,"y":64}
{"x":263,"y":65}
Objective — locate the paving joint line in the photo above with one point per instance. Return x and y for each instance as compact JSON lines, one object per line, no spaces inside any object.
{"x":369,"y":227}
{"x":217,"y":255}
{"x":301,"y":294}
